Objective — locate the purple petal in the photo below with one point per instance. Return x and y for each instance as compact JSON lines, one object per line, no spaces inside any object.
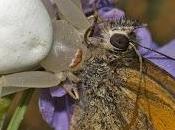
{"x":61,"y":121}
{"x":57,"y":91}
{"x":46,"y":105}
{"x":145,"y":39}
{"x":104,"y":3}
{"x":91,"y":5}
{"x":110,"y":13}
{"x":106,"y":9}
{"x":169,"y":49}
{"x":62,"y":113}
{"x":56,"y":111}
{"x":163,"y":62}
{"x":87,"y":6}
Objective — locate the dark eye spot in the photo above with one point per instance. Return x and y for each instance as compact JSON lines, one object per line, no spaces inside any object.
{"x":132,"y":35}
{"x":119,"y":41}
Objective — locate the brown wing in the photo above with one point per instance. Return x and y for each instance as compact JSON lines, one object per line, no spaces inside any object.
{"x":156,"y":93}
{"x":113,"y":96}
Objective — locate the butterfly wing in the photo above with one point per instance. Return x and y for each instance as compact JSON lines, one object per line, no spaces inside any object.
{"x":156,"y":93}
{"x":114,"y":96}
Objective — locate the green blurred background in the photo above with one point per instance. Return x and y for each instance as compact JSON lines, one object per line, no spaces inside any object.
{"x":158,"y":14}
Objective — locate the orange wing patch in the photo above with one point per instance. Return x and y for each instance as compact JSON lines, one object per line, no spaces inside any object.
{"x":154,"y":100}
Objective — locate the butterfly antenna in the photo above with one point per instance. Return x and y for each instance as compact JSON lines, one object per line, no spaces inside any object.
{"x":171,"y":58}
{"x":135,"y":113}
{"x":139,"y":55}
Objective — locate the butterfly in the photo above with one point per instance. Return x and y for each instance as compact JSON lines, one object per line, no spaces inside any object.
{"x":118,"y":91}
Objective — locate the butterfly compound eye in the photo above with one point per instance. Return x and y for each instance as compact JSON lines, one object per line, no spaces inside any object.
{"x":119,"y":41}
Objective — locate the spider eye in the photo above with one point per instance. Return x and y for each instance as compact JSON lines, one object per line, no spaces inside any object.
{"x":119,"y":41}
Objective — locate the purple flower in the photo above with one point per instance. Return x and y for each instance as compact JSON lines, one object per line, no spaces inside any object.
{"x":105,"y":8}
{"x":145,"y":39}
{"x":56,"y":105}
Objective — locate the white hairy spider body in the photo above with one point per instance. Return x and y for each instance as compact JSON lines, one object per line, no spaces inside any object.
{"x":25,"y":34}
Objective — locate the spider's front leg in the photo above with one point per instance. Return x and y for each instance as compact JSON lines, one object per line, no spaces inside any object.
{"x":37,"y":79}
{"x":70,"y":86}
{"x":69,"y":81}
{"x":71,"y":89}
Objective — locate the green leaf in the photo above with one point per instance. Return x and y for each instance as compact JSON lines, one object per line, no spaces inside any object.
{"x":20,"y":110}
{"x":4,"y":104}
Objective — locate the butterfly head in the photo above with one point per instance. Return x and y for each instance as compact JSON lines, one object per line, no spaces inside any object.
{"x":117,"y":36}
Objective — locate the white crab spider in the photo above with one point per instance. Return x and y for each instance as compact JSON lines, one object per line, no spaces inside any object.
{"x":60,"y":59}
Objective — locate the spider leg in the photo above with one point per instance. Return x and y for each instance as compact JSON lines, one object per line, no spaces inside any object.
{"x":73,"y":77}
{"x":77,"y":3}
{"x":77,"y":19}
{"x":30,"y":79}
{"x":67,"y":51}
{"x":71,"y":89}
